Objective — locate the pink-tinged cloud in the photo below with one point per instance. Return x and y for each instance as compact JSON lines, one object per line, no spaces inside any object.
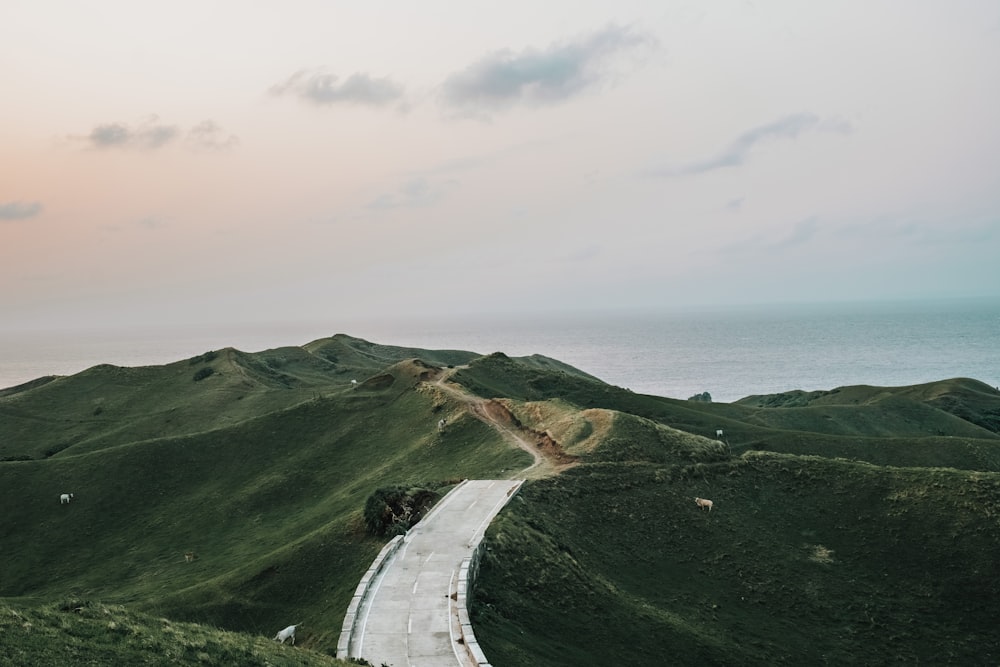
{"x":17,"y":210}
{"x":148,"y":135}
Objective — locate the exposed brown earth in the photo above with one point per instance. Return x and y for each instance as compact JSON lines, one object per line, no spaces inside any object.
{"x":550,"y":456}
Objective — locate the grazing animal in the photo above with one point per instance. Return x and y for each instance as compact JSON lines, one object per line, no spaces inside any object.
{"x":441,"y":425}
{"x":190,"y":556}
{"x":703,"y":503}
{"x":718,"y":433}
{"x":65,"y":498}
{"x":354,"y":384}
{"x":288,"y":632}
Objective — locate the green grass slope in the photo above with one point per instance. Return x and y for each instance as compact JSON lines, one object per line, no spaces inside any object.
{"x":970,"y":401}
{"x":802,"y":561}
{"x":807,"y":558}
{"x":855,"y":526}
{"x":938,"y":425}
{"x":271,"y":503}
{"x":83,"y":634}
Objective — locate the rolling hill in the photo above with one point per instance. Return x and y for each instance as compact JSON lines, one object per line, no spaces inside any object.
{"x":857,"y":525}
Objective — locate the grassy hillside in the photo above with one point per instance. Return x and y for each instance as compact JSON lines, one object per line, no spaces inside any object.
{"x":939,"y":424}
{"x":805,"y":559}
{"x":79,"y":633}
{"x":109,"y":405}
{"x":801,"y":561}
{"x":269,"y":498}
{"x":857,"y":525}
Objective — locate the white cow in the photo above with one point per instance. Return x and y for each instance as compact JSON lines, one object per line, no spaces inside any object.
{"x":718,"y":433}
{"x":288,"y":632}
{"x":703,"y":503}
{"x":65,"y":498}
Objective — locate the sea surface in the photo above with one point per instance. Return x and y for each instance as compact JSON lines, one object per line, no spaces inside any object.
{"x":730,"y":353}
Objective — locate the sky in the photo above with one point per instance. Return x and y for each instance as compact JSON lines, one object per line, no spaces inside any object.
{"x":233,"y":161}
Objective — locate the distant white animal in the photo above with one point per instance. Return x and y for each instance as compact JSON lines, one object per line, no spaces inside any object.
{"x":441,"y":424}
{"x":190,"y":557}
{"x":288,"y":632}
{"x":703,"y":503}
{"x":354,"y":384}
{"x":65,"y":498}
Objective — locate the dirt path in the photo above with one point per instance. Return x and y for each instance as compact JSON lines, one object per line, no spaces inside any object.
{"x":549,"y":457}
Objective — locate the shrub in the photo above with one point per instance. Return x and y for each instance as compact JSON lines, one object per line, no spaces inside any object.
{"x":392,"y":510}
{"x":204,"y":358}
{"x":203,"y":373}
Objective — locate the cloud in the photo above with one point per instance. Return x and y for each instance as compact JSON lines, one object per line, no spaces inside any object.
{"x":149,"y":222}
{"x":739,"y":150}
{"x":907,"y":230}
{"x":325,"y":89}
{"x":803,"y":232}
{"x":536,"y":77}
{"x":208,"y":136}
{"x":148,"y":135}
{"x":415,"y":192}
{"x":16,"y":210}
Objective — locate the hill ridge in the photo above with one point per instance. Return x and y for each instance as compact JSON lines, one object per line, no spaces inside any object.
{"x":263,"y":465}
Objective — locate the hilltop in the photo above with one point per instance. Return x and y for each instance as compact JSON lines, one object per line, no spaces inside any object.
{"x":850,"y":525}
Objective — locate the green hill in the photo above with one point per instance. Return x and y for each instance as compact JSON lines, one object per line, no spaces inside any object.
{"x":80,"y":633}
{"x":849,"y":526}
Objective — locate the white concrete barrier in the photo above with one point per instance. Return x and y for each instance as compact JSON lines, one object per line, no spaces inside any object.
{"x":360,"y":593}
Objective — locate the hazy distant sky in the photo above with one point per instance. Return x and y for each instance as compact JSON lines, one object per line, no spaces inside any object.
{"x":263,"y":161}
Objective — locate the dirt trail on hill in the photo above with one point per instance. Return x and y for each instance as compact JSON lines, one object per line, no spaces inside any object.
{"x":550,"y":458}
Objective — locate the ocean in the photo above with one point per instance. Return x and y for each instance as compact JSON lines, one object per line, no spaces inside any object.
{"x":730,"y":353}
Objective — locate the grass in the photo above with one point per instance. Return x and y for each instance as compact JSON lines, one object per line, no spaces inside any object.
{"x":857,"y":525}
{"x":802,"y":561}
{"x":271,"y":502}
{"x":79,"y":632}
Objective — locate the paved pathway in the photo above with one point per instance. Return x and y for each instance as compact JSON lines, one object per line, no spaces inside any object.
{"x":408,"y":619}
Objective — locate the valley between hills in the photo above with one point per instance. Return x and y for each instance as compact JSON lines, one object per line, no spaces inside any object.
{"x":220,"y":498}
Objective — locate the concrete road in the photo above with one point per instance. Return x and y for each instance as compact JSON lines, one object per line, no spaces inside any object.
{"x":407,"y":619}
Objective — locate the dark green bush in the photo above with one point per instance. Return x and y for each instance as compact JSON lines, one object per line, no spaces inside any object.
{"x":203,"y":373}
{"x":392,"y":510}
{"x":204,"y":358}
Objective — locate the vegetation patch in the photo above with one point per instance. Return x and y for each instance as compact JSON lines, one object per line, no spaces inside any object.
{"x":392,"y":510}
{"x":857,"y":525}
{"x":86,"y":632}
{"x":802,"y":561}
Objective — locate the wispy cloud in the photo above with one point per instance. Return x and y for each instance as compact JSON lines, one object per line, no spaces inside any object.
{"x":326,"y":89}
{"x":981,"y":231}
{"x":17,"y":210}
{"x":536,"y":77}
{"x":416,"y":191}
{"x":209,"y":136}
{"x":147,"y":135}
{"x":740,"y":149}
{"x":150,"y":134}
{"x":149,"y":222}
{"x":802,"y":233}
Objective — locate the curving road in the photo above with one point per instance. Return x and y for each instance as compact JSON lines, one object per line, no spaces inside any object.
{"x":408,"y":618}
